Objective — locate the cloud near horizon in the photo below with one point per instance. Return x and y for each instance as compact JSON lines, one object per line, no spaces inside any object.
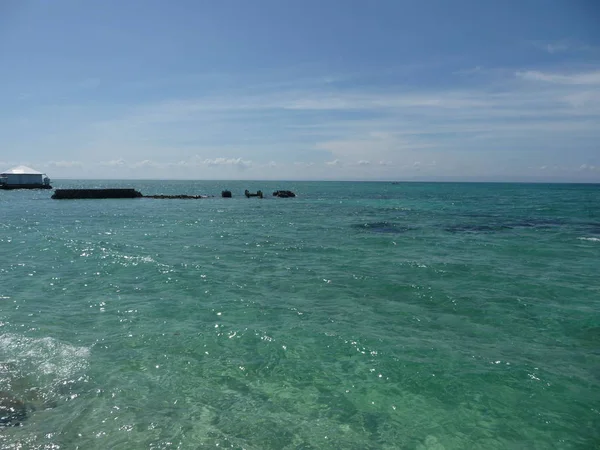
{"x":466,"y":113}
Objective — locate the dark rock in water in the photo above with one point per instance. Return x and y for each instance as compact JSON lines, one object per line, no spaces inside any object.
{"x":12,"y":410}
{"x":283,"y":194}
{"x":381,"y":227}
{"x":226,"y":194}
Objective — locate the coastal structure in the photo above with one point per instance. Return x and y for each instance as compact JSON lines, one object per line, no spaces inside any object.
{"x":72,"y":194}
{"x":96,"y":193}
{"x":23,"y":177}
{"x":249,"y":194}
{"x":80,"y":194}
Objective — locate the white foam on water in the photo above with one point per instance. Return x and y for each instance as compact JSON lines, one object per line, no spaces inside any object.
{"x":45,"y":357}
{"x":592,"y":239}
{"x":43,"y":373}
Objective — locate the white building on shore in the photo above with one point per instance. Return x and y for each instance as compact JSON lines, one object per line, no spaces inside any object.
{"x":23,"y":177}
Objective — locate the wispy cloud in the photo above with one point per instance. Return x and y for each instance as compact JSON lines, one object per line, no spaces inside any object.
{"x":415,"y":168}
{"x":67,"y":164}
{"x":553,"y":47}
{"x":114,"y":163}
{"x":561,"y":46}
{"x":236,"y":162}
{"x":192,"y":162}
{"x":146,"y":163}
{"x":585,"y":78}
{"x":356,"y":130}
{"x":470,"y":71}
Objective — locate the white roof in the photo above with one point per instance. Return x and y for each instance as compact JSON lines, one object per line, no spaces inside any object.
{"x":22,"y":170}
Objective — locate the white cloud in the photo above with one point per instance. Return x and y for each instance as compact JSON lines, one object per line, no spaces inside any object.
{"x":554,"y":47}
{"x":582,"y":78}
{"x":562,"y":46}
{"x":472,"y":71}
{"x":237,"y":162}
{"x":146,"y":163}
{"x":376,"y":101}
{"x":377,"y":145}
{"x":114,"y":163}
{"x":343,"y":130}
{"x":64,"y":164}
{"x":583,"y":99}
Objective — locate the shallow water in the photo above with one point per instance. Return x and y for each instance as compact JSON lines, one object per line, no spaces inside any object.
{"x":355,"y":316}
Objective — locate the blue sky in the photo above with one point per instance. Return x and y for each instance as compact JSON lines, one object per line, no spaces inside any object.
{"x":275,"y":89}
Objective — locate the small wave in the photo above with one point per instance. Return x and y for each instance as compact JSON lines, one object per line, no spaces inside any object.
{"x":592,"y":239}
{"x":46,"y":359}
{"x":135,"y":260}
{"x":38,"y":374}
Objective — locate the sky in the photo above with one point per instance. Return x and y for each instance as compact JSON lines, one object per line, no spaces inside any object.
{"x":472,"y":90}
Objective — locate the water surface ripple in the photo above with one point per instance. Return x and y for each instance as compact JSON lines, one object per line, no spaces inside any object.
{"x":354,"y":316}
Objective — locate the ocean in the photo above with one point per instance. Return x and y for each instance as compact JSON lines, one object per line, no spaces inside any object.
{"x":422,"y":316}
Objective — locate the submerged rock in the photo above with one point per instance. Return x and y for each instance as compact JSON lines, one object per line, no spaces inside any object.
{"x":12,"y":410}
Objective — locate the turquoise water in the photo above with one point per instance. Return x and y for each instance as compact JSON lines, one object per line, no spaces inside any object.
{"x":355,"y":316}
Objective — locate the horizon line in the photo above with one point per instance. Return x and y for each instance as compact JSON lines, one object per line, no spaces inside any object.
{"x":338,"y":181}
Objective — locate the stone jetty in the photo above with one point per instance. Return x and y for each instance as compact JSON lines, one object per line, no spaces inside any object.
{"x":72,"y":194}
{"x":180,"y":196}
